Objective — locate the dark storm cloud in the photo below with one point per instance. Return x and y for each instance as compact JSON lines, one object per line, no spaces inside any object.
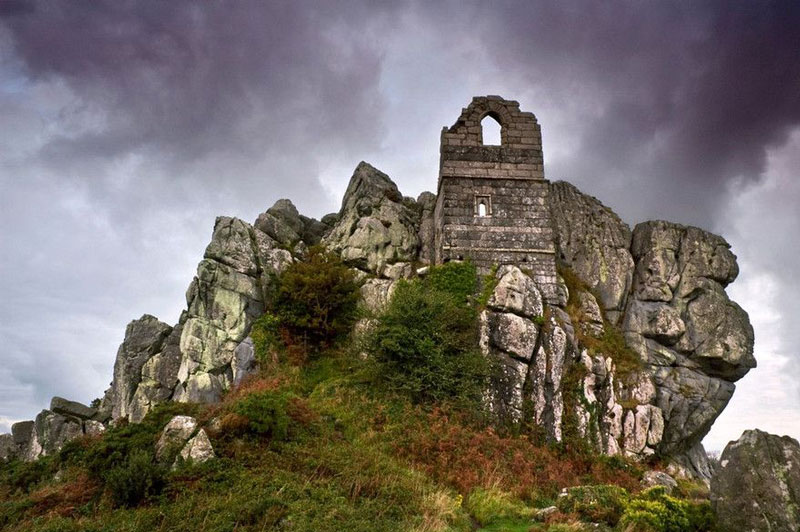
{"x":678,"y":99}
{"x":188,"y":82}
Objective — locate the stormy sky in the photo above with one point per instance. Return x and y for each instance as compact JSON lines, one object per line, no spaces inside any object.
{"x":126,"y":127}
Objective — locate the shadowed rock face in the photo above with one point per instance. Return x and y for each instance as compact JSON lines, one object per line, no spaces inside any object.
{"x":757,"y":486}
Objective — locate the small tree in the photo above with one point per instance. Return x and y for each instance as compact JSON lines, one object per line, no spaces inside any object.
{"x":316,"y":299}
{"x":426,"y":343}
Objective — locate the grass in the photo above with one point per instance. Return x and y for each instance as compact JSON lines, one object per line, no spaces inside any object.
{"x":346,"y":457}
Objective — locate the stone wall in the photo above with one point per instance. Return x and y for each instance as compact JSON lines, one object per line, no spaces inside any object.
{"x":493,"y":201}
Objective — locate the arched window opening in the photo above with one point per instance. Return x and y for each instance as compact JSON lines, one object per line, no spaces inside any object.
{"x":483,"y":205}
{"x":491,"y":131}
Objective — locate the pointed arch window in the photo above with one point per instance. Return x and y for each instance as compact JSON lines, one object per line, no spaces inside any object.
{"x":491,"y":131}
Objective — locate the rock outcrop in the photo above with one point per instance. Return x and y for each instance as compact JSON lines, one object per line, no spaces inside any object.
{"x":661,"y":287}
{"x":182,"y":438}
{"x":757,"y":486}
{"x":663,"y":284}
{"x":376,"y":225}
{"x":595,"y":243}
{"x":528,"y":350}
{"x":44,"y":436}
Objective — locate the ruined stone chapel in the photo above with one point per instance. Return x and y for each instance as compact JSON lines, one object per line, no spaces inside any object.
{"x":492,"y":200}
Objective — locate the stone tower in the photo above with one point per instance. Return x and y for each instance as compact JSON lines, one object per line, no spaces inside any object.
{"x":492,"y":203}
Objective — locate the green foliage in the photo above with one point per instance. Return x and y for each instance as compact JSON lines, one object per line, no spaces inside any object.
{"x":316,"y":299}
{"x":598,"y":504}
{"x":655,"y":511}
{"x":425,"y":344}
{"x":488,"y":284}
{"x":21,"y":477}
{"x":267,"y":413}
{"x":118,"y":443}
{"x":265,"y":333}
{"x":459,"y":279}
{"x":490,"y":506}
{"x":138,"y":478}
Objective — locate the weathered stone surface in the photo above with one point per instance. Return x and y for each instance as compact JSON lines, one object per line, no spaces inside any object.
{"x":691,"y":464}
{"x":282,"y":223}
{"x":660,"y":322}
{"x":244,"y":361}
{"x":25,"y":435}
{"x":531,"y":357}
{"x":516,"y":293}
{"x":223,"y":301}
{"x":375,"y":295}
{"x":512,"y":334}
{"x":544,"y":379}
{"x":719,"y":336}
{"x":757,"y":486}
{"x":62,"y":406}
{"x":93,"y":428}
{"x":8,"y":449}
{"x":427,"y":228}
{"x":595,"y":243}
{"x":376,"y":226}
{"x":198,"y":449}
{"x":592,"y":322}
{"x":144,"y":338}
{"x":659,"y":478}
{"x":398,"y":270}
{"x":54,"y":430}
{"x":175,"y":435}
{"x":159,"y":376}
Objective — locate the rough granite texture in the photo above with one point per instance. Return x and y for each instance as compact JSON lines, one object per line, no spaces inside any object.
{"x":757,"y":486}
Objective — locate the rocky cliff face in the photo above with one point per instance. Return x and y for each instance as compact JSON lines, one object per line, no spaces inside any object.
{"x":661,"y":287}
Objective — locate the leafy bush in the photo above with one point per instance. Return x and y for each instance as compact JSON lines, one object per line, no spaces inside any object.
{"x":266,"y":336}
{"x":459,"y":279}
{"x":425,"y":344}
{"x":655,"y":511}
{"x":138,"y":478}
{"x":602,"y":503}
{"x":22,"y":477}
{"x":272,"y":413}
{"x":316,"y":299}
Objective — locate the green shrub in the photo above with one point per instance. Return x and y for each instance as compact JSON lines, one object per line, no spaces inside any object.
{"x":425,"y":345}
{"x":137,"y":479}
{"x":316,"y":299}
{"x":598,"y":504}
{"x":655,"y":511}
{"x":115,"y":447}
{"x":267,"y":413}
{"x":265,"y":333}
{"x":459,"y":279}
{"x":22,"y":477}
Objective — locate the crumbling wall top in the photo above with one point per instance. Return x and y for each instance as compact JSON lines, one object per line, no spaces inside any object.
{"x":518,"y":130}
